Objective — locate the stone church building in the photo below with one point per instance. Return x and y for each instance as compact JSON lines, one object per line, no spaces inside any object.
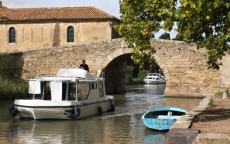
{"x":23,"y":29}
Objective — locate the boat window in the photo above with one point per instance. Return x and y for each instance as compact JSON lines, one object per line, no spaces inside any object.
{"x":101,"y":89}
{"x":64,"y":91}
{"x":83,"y":90}
{"x":72,"y":91}
{"x":45,"y":92}
{"x":93,"y":85}
{"x":39,"y":96}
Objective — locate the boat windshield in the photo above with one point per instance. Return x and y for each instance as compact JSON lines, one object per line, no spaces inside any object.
{"x":45,"y":92}
{"x":56,"y":91}
{"x":68,"y":91}
{"x":83,"y":90}
{"x":101,"y":89}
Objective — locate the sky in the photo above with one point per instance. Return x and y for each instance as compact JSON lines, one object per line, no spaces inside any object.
{"x":108,"y":6}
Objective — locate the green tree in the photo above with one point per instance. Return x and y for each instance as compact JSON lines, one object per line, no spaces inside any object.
{"x":165,"y":36}
{"x":129,"y":74}
{"x":206,"y":23}
{"x":178,"y":38}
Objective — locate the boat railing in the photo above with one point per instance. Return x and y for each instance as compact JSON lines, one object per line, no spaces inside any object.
{"x":54,"y":76}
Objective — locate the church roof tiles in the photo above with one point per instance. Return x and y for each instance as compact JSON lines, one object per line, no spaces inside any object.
{"x":65,"y":13}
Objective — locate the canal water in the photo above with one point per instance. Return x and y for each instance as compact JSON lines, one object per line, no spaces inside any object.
{"x":124,"y":126}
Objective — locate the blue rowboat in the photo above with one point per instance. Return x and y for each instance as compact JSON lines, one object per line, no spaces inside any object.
{"x":162,"y":118}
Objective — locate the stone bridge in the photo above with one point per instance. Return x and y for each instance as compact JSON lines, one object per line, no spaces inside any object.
{"x":184,"y":66}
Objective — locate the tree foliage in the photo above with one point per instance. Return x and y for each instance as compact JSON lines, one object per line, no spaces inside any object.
{"x":204,"y":22}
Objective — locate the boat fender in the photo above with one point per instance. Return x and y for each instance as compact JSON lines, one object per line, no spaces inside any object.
{"x":99,"y":109}
{"x":13,"y":110}
{"x":73,"y":113}
{"x":111,"y":109}
{"x":77,"y":111}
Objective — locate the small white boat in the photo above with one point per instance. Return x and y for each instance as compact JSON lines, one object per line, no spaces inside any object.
{"x":70,"y":94}
{"x":154,"y":78}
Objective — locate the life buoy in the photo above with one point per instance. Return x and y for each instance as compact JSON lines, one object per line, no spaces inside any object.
{"x":99,"y":110}
{"x":76,"y":111}
{"x":13,"y":111}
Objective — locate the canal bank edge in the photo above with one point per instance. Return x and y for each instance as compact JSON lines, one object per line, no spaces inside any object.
{"x":181,"y":133}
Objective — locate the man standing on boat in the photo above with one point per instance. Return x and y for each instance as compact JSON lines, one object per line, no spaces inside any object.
{"x":84,"y":65}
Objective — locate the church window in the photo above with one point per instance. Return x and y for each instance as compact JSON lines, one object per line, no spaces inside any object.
{"x":12,"y":35}
{"x":70,"y":34}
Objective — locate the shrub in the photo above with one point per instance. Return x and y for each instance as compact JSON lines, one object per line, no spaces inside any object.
{"x":13,"y":88}
{"x":129,"y":74}
{"x":142,"y":74}
{"x":6,"y":65}
{"x":221,"y":94}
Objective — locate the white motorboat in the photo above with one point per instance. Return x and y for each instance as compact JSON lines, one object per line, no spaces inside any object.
{"x":70,"y":94}
{"x":154,"y":78}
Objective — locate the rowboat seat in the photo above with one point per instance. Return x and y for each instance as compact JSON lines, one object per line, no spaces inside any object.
{"x":168,"y":117}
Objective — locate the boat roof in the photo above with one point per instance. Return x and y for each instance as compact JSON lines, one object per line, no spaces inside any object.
{"x":68,"y":75}
{"x":47,"y":78}
{"x":149,"y":74}
{"x":80,"y":73}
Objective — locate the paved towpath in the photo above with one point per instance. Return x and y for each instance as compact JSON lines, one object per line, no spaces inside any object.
{"x":203,"y":125}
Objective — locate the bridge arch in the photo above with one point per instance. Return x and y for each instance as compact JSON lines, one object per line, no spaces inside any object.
{"x":121,"y":52}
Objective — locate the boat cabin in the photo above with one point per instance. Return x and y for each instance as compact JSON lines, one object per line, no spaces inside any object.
{"x":67,"y":85}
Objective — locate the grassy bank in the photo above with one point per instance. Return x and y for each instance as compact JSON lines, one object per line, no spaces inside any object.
{"x":13,"y":88}
{"x":220,"y":94}
{"x":10,"y":86}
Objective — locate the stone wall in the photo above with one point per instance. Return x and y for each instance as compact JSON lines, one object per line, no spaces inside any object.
{"x":33,"y":36}
{"x":186,"y":70}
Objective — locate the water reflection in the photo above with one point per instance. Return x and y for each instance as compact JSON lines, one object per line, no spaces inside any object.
{"x":118,"y":129}
{"x":122,"y":126}
{"x":151,"y":137}
{"x":182,"y":102}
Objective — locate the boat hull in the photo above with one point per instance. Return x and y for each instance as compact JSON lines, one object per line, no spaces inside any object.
{"x":154,"y":82}
{"x":59,"y":110}
{"x":159,"y":119}
{"x":158,"y":124}
{"x":154,"y":78}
